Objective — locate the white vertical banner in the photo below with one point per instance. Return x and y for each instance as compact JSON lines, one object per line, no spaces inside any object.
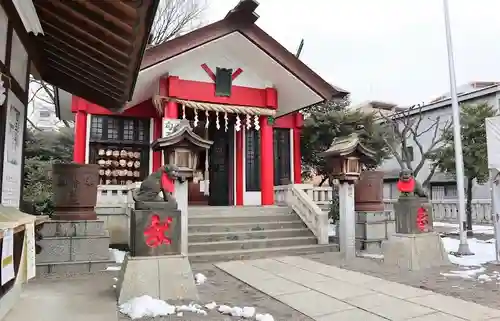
{"x":7,"y":262}
{"x":30,"y":251}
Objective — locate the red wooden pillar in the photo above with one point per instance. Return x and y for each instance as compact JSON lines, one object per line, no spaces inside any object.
{"x":239,"y":167}
{"x":266,"y":162}
{"x":80,"y":144}
{"x":170,"y":112}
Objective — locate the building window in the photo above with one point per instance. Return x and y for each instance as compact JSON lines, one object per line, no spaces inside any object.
{"x":252,"y":160}
{"x":408,"y":155}
{"x":120,"y":146}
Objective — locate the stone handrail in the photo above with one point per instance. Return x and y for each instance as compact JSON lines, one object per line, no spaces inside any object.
{"x":321,"y":195}
{"x":295,"y":196}
{"x":447,"y":210}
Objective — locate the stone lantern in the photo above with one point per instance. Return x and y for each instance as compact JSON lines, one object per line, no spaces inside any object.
{"x":345,"y":156}
{"x":180,"y":146}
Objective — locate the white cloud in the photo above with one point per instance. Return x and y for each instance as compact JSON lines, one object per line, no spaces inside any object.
{"x":391,"y":50}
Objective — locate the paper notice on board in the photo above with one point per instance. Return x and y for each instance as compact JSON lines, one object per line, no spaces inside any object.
{"x":30,"y":251}
{"x":7,"y":262}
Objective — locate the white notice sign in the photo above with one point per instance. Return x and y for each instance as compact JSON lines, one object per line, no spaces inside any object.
{"x":30,"y":251}
{"x":7,"y":262}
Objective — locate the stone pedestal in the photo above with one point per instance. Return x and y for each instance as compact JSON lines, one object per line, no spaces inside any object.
{"x":150,"y":222}
{"x":163,"y":277}
{"x":347,"y":221}
{"x":181,"y":196}
{"x":406,"y":210}
{"x":415,"y":251}
{"x":414,"y":246}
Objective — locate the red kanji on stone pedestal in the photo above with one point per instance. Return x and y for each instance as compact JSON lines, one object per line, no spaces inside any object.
{"x":422,"y":219}
{"x":155,"y":233}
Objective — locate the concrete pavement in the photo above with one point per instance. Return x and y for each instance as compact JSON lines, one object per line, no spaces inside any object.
{"x":325,"y":293}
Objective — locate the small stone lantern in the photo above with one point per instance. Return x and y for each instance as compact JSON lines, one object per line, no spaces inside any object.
{"x":345,"y":156}
{"x":180,"y":146}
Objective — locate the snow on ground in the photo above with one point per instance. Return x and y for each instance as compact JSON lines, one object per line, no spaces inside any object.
{"x":479,"y":229}
{"x":146,"y":306}
{"x":117,"y":255}
{"x":199,"y":278}
{"x":331,"y":229}
{"x":484,"y":251}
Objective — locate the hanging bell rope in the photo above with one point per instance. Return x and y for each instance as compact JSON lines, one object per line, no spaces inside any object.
{"x":246,"y":110}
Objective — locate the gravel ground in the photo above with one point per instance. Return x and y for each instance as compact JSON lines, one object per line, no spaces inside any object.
{"x":486,"y":293}
{"x":225,"y":289}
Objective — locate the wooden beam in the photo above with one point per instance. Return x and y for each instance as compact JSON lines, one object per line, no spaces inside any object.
{"x":58,"y":68}
{"x":73,"y":17}
{"x":77,"y":88}
{"x":67,"y":49}
{"x":115,"y":8}
{"x":54,"y":32}
{"x":55,"y":19}
{"x":81,"y":62}
{"x":108,"y":21}
{"x":72,"y":65}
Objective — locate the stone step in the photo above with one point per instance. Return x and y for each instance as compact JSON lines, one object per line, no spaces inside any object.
{"x":218,"y":256}
{"x":74,"y":248}
{"x":54,"y":228}
{"x":248,"y":235}
{"x":250,"y":244}
{"x":242,"y":218}
{"x":72,"y":267}
{"x":244,"y":227}
{"x":237,"y":210}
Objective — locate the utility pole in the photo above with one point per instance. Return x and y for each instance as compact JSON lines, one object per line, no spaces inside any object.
{"x":463,"y":248}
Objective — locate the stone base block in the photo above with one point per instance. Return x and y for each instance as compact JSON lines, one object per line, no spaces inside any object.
{"x":162,"y":277}
{"x":415,"y":251}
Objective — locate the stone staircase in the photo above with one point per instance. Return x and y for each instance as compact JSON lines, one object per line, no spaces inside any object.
{"x":233,"y":233}
{"x":73,"y":247}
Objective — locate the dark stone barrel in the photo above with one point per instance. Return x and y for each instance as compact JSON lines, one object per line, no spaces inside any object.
{"x":369,"y":192}
{"x":407,"y":210}
{"x":75,"y":191}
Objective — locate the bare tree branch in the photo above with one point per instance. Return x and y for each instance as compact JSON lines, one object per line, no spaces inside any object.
{"x":176,"y":17}
{"x":411,"y":125}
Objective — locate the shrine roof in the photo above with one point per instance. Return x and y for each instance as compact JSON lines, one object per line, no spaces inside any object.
{"x":237,"y":32}
{"x":92,"y":49}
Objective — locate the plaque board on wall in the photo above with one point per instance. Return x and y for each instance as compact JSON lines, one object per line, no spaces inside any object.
{"x":13,"y":152}
{"x":19,"y":61}
{"x":3,"y":35}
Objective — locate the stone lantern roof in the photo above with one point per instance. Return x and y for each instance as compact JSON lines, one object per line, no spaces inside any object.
{"x":178,"y":133}
{"x":346,"y":146}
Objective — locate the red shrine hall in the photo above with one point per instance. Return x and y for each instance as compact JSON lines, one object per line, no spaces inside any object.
{"x":237,"y":86}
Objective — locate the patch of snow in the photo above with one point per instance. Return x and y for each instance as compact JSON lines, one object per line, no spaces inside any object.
{"x":199,"y":278}
{"x":371,"y":255}
{"x":192,"y":307}
{"x":264,"y":317}
{"x":146,"y":306}
{"x":113,"y":268}
{"x":465,"y":274}
{"x":117,"y":255}
{"x":483,"y":252}
{"x":180,"y":314}
{"x":332,"y":229}
{"x":211,"y":306}
{"x":245,"y":312}
{"x":479,"y":229}
{"x":115,"y":279}
{"x":224,"y":309}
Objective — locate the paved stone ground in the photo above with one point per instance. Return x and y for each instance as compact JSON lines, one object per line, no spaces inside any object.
{"x":487,"y":293}
{"x":327,"y":293}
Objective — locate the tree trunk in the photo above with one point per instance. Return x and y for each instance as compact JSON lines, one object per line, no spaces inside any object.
{"x":468,"y":206}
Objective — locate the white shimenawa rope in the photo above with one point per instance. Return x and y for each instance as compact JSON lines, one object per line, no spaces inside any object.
{"x":247,"y":110}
